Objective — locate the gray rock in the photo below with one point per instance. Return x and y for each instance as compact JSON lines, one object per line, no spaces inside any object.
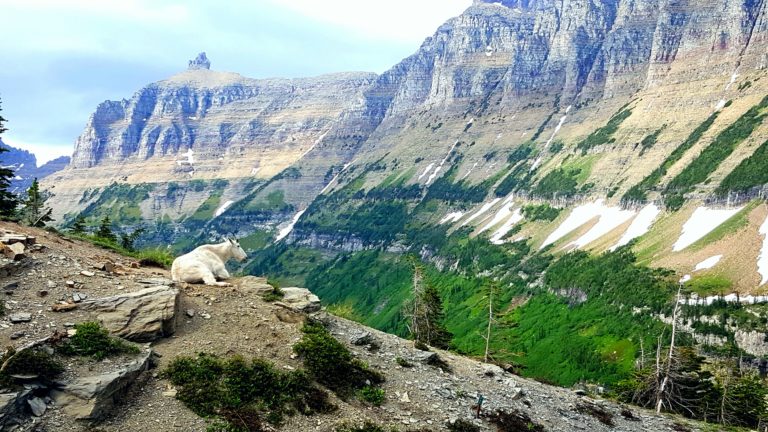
{"x":13,"y":407}
{"x":424,"y":357}
{"x":37,"y":406}
{"x":301,"y":299}
{"x":21,"y":317}
{"x":190,"y":313}
{"x":140,"y":316}
{"x":94,"y":397}
{"x":156,"y":281}
{"x":362,"y":338}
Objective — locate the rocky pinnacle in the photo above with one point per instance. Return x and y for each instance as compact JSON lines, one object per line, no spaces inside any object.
{"x":200,"y":62}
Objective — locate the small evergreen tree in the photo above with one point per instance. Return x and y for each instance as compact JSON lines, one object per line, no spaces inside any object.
{"x":105,"y":230}
{"x":8,"y":201}
{"x":128,"y":240}
{"x":78,"y":226}
{"x":34,"y":212}
{"x":426,"y":313}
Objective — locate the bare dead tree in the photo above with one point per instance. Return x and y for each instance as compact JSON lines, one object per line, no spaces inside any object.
{"x":660,"y":395}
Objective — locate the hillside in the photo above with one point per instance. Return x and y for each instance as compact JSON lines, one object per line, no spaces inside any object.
{"x":567,"y":165}
{"x":420,"y":396}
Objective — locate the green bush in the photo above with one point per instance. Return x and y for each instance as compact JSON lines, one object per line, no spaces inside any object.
{"x":242,"y":393}
{"x":751,"y":172}
{"x":558,"y":182}
{"x":30,"y":362}
{"x":157,"y":257}
{"x":604,"y":135}
{"x":543,"y":212}
{"x":331,"y":363}
{"x":373,"y":395}
{"x":92,"y":340}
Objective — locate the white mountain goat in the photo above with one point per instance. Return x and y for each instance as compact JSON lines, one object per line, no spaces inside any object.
{"x":207,"y":263}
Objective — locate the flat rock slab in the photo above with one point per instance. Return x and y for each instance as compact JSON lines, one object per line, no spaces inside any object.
{"x":141,"y":316}
{"x":257,"y":285}
{"x":20,"y":317}
{"x":301,"y":299}
{"x":92,"y":398}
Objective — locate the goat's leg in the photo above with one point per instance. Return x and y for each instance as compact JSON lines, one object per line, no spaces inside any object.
{"x":221,"y":273}
{"x":210,"y":279}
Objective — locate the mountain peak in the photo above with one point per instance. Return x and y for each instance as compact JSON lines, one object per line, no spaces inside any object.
{"x":200,"y":62}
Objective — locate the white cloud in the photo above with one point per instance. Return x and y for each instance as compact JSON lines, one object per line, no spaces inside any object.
{"x":395,"y":20}
{"x":44,"y":152}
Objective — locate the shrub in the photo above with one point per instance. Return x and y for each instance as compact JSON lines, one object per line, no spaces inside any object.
{"x":461,"y":425}
{"x":543,"y":212}
{"x":31,"y":362}
{"x":514,"y":421}
{"x":331,"y":363}
{"x":92,"y":340}
{"x":244,"y":394}
{"x":157,"y":257}
{"x":373,"y":395}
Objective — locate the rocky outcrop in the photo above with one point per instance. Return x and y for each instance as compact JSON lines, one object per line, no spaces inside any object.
{"x":142,"y":316}
{"x":300,"y":299}
{"x":93,"y":397}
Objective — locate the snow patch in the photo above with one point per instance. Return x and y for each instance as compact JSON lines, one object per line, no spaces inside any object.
{"x":701,"y":223}
{"x":708,"y":263}
{"x":610,"y":219}
{"x":482,"y":211}
{"x":536,"y":164}
{"x":762,"y":261}
{"x":452,"y":217}
{"x":223,"y":208}
{"x":190,"y":158}
{"x":336,"y":177}
{"x":558,"y":127}
{"x":426,"y":171}
{"x":640,"y":226}
{"x":255,"y":171}
{"x":445,"y":159}
{"x":578,"y":217}
{"x":720,"y":105}
{"x":434,"y":174}
{"x":288,"y":228}
{"x":469,"y":172}
{"x":497,"y":237}
{"x":503,"y":213}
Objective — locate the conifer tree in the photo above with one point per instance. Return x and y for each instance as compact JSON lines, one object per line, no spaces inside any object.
{"x":78,"y":226}
{"x":8,"y":201}
{"x":426,"y":313}
{"x":105,"y":230}
{"x":34,"y":212}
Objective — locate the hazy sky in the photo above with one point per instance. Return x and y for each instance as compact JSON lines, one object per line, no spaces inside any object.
{"x":60,"y":58}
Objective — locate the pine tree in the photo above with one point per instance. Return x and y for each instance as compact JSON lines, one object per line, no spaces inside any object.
{"x":34,"y":212}
{"x":127,"y":241}
{"x":426,"y":313}
{"x":8,"y":201}
{"x":105,"y":230}
{"x":78,"y":226}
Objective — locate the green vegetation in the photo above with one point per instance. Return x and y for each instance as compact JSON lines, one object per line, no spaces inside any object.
{"x":648,"y":142}
{"x":604,"y":135}
{"x":558,"y":183}
{"x":520,"y":177}
{"x":373,"y":395}
{"x":709,"y":285}
{"x":120,"y":203}
{"x":750,"y":173}
{"x":556,"y":147}
{"x":32,"y":361}
{"x":712,"y":156}
{"x":92,"y":340}
{"x":732,"y":225}
{"x":207,"y":209}
{"x":522,"y":153}
{"x":8,"y":200}
{"x":33,"y":211}
{"x":541,"y":212}
{"x":639,"y":191}
{"x":243,"y":394}
{"x":331,"y":363}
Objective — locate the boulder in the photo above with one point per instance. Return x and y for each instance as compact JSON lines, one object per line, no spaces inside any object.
{"x":13,"y":407}
{"x":92,"y":398}
{"x":14,"y":251}
{"x":300,"y":299}
{"x":37,"y":406}
{"x":21,"y":317}
{"x":140,"y":316}
{"x":253,"y":284}
{"x":362,"y":337}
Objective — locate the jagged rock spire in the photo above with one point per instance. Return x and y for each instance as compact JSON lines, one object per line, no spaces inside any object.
{"x":200,"y":62}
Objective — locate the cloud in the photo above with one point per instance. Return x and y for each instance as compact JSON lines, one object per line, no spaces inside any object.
{"x":62,"y":58}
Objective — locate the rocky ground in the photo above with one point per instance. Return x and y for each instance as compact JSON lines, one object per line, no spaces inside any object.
{"x":235,"y":320}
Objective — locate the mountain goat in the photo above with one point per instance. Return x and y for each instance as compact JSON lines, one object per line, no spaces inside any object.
{"x":207,"y":263}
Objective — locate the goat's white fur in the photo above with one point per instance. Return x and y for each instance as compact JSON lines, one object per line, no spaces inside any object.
{"x":206,"y":263}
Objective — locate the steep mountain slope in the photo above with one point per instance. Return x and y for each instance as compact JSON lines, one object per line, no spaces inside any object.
{"x":520,"y":131}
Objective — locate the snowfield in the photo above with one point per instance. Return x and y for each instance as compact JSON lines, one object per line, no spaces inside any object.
{"x":503,"y":213}
{"x":708,"y":263}
{"x":762,"y":261}
{"x":610,"y":219}
{"x":222,"y":208}
{"x":701,"y":223}
{"x":288,"y":228}
{"x":497,"y":236}
{"x":482,"y":211}
{"x":426,"y":171}
{"x":578,"y":217}
{"x":452,"y":217}
{"x":641,"y":225}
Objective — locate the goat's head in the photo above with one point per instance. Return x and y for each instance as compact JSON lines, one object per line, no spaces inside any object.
{"x":237,"y":251}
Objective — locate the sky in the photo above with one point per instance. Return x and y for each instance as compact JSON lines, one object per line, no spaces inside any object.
{"x":61,"y":58}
